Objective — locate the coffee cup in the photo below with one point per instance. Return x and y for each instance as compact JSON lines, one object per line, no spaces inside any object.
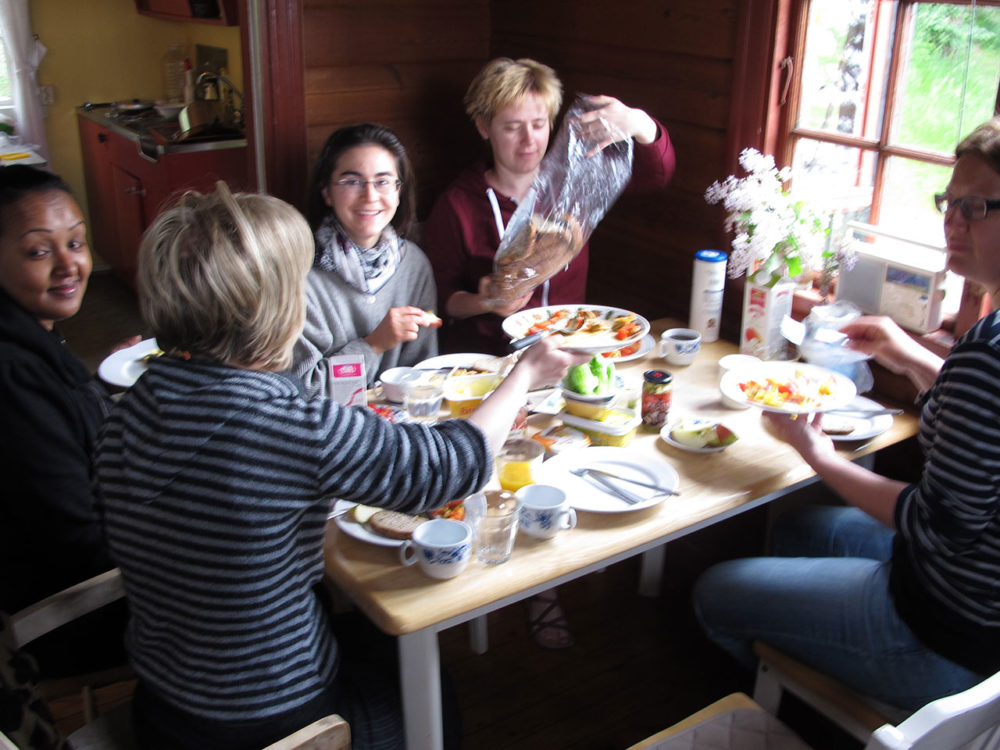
{"x":679,"y":346}
{"x":544,"y":511}
{"x":441,"y":546}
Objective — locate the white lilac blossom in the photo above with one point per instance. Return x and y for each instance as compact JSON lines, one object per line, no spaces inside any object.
{"x":775,"y":236}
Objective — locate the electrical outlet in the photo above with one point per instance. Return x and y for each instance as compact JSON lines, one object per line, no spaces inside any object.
{"x":47,"y":94}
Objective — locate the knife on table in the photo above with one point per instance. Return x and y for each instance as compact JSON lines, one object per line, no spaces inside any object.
{"x":658,"y":488}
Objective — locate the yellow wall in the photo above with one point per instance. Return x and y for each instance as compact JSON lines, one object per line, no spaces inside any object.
{"x":102,"y":51}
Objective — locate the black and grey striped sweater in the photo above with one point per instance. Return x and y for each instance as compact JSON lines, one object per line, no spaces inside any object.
{"x":214,"y":485}
{"x":946,"y":562}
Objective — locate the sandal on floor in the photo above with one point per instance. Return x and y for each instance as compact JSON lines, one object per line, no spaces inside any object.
{"x":548,"y":631}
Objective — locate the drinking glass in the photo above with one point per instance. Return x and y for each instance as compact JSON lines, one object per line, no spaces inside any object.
{"x":422,"y":399}
{"x":517,"y":463}
{"x":496,"y":529}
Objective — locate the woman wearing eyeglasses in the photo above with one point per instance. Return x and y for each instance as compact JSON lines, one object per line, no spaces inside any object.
{"x":369,"y":289}
{"x":898,"y":594}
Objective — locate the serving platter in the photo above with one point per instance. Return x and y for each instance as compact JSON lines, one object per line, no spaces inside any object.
{"x":584,"y":495}
{"x":812,"y":380}
{"x":518,"y":325}
{"x":123,"y":367}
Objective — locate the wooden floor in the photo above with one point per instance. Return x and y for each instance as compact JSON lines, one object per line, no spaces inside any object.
{"x":638,"y":664}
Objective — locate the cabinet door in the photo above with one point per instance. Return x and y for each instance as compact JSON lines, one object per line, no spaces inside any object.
{"x":95,"y":144}
{"x":129,"y":195}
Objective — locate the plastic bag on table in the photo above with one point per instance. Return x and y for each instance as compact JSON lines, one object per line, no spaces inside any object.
{"x":825,"y":346}
{"x":568,"y":198}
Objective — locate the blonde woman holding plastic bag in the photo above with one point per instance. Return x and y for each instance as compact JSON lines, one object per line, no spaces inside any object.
{"x":513,"y":105}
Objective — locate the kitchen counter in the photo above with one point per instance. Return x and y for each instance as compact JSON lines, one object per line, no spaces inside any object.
{"x":154,"y":134}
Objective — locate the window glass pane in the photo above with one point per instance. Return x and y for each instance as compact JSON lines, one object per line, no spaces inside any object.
{"x":843,"y":173}
{"x":835,"y":73}
{"x":5,"y":89}
{"x":908,"y":208}
{"x":950,"y":74}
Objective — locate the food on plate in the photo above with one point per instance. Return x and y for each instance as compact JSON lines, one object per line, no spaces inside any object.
{"x":455,"y":510}
{"x":837,"y":425}
{"x":152,"y":355}
{"x":362,"y":513}
{"x":540,"y":249}
{"x":561,"y":437}
{"x":595,"y":378}
{"x":393,"y":524}
{"x":583,"y":327}
{"x":702,"y":433}
{"x":801,"y":391}
{"x":386,"y":412}
{"x":431,"y":320}
{"x":625,"y":351}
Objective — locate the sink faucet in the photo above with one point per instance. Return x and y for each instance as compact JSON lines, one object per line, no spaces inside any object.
{"x":234,"y":114}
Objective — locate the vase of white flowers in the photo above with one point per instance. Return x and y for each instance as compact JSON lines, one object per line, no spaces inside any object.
{"x":776,"y":239}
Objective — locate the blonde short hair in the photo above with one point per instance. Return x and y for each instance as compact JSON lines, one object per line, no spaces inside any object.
{"x":222,"y":277}
{"x":503,"y":82}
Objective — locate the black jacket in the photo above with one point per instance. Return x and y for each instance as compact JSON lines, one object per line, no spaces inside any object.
{"x":51,"y":408}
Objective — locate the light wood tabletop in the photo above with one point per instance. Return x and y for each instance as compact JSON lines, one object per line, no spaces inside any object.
{"x":757,"y":468}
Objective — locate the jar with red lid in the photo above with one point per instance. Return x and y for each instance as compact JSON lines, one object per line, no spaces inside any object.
{"x":657,"y":393}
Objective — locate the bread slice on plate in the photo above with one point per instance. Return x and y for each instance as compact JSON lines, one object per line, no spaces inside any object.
{"x":393,"y":524}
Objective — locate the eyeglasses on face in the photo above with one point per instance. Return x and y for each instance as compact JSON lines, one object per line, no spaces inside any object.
{"x":382,"y":185}
{"x":973,"y":207}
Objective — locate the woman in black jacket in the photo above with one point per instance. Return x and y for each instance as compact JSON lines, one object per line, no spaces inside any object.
{"x":51,"y":408}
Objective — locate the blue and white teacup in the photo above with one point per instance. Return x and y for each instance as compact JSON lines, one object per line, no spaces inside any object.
{"x":679,"y":346}
{"x":441,"y":546}
{"x":544,"y":511}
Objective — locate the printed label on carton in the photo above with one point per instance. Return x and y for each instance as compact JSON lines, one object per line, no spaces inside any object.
{"x":347,"y":380}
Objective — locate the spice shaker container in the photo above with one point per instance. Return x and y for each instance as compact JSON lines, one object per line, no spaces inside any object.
{"x":657,"y":393}
{"x":708,"y":281}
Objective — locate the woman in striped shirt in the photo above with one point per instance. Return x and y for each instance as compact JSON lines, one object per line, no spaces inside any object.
{"x":214,"y":478}
{"x":897,"y":595}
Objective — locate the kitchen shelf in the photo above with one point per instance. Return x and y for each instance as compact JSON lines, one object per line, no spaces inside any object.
{"x":216,"y":12}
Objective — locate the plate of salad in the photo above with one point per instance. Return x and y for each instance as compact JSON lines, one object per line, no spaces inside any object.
{"x":788,"y":387}
{"x":586,"y":328}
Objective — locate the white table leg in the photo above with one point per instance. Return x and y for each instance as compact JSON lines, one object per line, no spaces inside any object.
{"x":651,"y":572}
{"x":478,"y":635}
{"x":420,"y":682}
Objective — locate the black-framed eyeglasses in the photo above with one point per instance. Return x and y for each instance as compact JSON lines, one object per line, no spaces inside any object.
{"x":382,"y":185}
{"x":973,"y":207}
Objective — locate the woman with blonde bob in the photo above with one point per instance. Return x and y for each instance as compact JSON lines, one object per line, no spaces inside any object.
{"x":214,"y":477}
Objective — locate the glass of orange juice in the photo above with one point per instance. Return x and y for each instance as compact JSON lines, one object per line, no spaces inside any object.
{"x":517,"y":463}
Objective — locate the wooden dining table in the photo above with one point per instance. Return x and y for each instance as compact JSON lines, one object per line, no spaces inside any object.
{"x":756,"y":469}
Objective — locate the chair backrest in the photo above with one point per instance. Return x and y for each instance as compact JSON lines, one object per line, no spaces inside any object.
{"x":65,"y":606}
{"x":970,"y":719}
{"x":329,"y":733}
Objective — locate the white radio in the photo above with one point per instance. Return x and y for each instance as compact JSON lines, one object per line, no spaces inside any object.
{"x":894,"y":276}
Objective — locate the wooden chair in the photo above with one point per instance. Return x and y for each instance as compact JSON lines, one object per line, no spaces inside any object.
{"x":969,"y":720}
{"x":113,"y":731}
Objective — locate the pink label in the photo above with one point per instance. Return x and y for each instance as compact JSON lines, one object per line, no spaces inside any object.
{"x":346,"y":371}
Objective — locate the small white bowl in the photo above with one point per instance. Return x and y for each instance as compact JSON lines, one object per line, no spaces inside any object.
{"x":737,"y":362}
{"x":393,"y":381}
{"x":169,"y":110}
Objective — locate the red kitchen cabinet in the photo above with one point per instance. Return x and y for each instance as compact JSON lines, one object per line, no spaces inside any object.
{"x":127,"y":188}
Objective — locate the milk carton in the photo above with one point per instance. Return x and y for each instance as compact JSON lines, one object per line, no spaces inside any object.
{"x":763,"y":309}
{"x":347,"y":380}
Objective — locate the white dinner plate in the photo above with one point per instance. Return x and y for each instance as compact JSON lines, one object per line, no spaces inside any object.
{"x":668,"y":439}
{"x":349,"y":526}
{"x":865,"y":428}
{"x":645,"y":347}
{"x":517,"y":325}
{"x":585,"y":495}
{"x":123,"y":367}
{"x":843,"y":387}
{"x":443,"y":361}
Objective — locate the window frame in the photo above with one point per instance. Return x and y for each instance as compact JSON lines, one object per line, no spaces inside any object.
{"x":776,"y":97}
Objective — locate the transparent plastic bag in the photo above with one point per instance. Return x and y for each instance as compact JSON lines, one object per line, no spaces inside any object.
{"x":570,"y":196}
{"x":824,"y":345}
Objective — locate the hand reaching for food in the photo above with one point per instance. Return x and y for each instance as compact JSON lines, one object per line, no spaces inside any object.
{"x":125,"y":344}
{"x":400,"y":324}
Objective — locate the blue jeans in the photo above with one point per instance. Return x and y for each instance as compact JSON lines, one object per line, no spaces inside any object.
{"x":825,"y":601}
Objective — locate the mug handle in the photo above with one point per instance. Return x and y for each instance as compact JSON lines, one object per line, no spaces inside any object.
{"x":408,"y":553}
{"x":567,"y":519}
{"x":662,"y":347}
